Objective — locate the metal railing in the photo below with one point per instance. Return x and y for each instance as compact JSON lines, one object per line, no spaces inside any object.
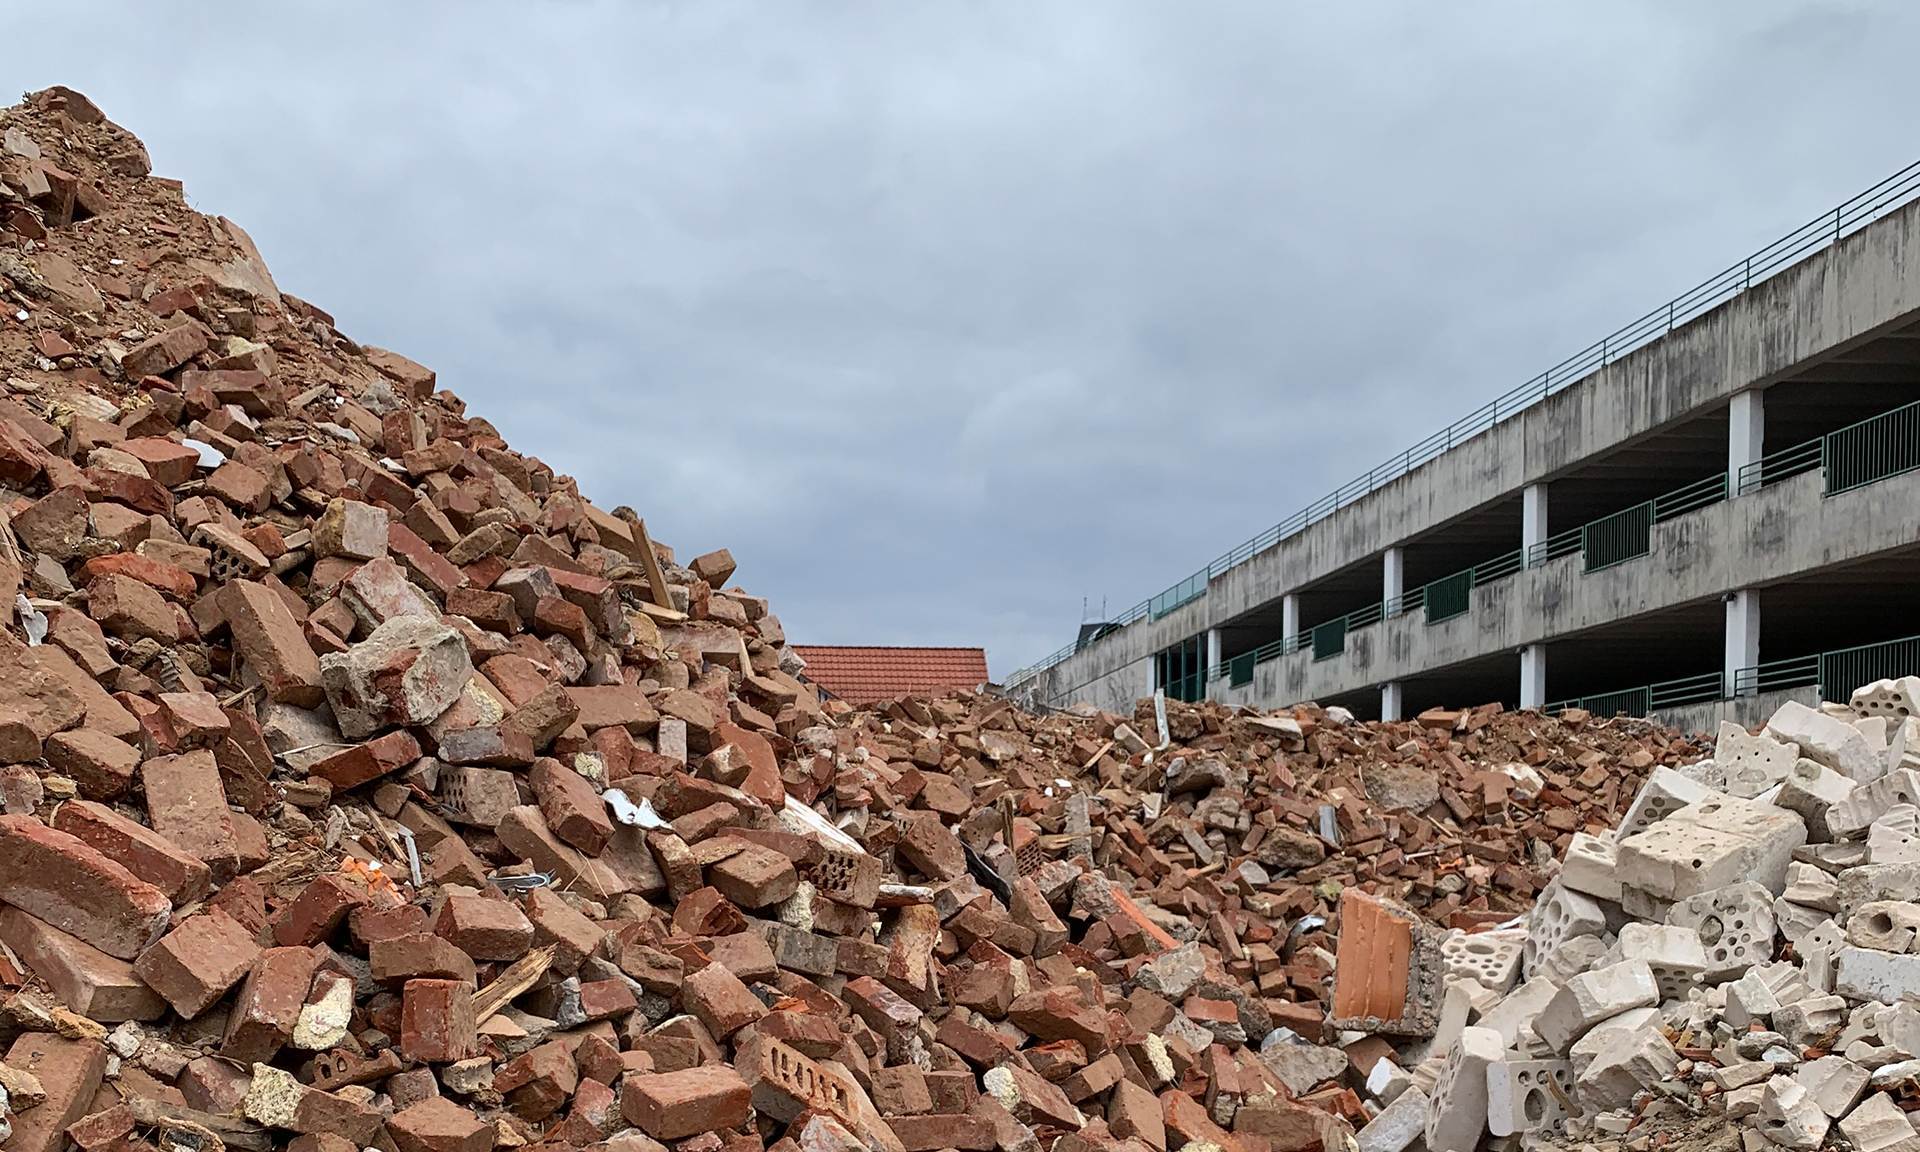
{"x":1699,"y":494}
{"x":1846,"y":669}
{"x":1874,"y":449}
{"x":1189,"y":689}
{"x":1555,"y":546}
{"x":1185,"y":592}
{"x":1648,"y":698}
{"x":1836,"y":673}
{"x":1823,"y":230}
{"x":1625,"y":535}
{"x":1777,"y":675}
{"x":1449,"y":596}
{"x":1408,"y":601}
{"x":1782,"y":465}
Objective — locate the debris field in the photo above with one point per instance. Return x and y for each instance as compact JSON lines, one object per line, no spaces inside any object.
{"x":364,"y":785}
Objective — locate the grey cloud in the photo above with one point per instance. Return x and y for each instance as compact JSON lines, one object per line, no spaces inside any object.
{"x":944,"y":316}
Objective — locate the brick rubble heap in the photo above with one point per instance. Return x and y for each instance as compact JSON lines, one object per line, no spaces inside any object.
{"x":362,"y":784}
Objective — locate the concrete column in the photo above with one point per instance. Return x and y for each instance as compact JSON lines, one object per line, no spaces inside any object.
{"x":1533,"y":676}
{"x":1290,"y":614}
{"x":1746,"y":436}
{"x":1533,"y":516}
{"x":1743,"y":635}
{"x":1390,"y":700}
{"x":1213,"y":650}
{"x":1392,"y":568}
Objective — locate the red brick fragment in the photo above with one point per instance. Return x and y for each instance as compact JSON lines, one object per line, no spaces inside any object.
{"x":675,"y":1105}
{"x":484,"y":928}
{"x":269,"y":1003}
{"x":436,"y":1021}
{"x":318,"y":911}
{"x":70,"y":1071}
{"x":437,"y":1124}
{"x":183,"y":877}
{"x":78,"y":889}
{"x":194,"y":965}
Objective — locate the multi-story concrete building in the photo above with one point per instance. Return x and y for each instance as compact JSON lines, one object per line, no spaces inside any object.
{"x":1708,"y":511}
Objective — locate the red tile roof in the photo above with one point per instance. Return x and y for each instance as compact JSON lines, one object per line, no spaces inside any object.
{"x":864,"y":675}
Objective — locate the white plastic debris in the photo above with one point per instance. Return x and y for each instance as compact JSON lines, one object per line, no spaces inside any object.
{"x":210,"y":457}
{"x":31,"y":619}
{"x":633,"y":815}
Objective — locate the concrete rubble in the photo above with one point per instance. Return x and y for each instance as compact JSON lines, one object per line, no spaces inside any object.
{"x":365,"y":785}
{"x":1738,"y":948}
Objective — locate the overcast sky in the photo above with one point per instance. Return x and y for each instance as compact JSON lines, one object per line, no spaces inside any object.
{"x":946,"y":316}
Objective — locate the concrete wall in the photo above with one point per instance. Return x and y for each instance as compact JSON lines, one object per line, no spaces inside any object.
{"x":1835,"y":298}
{"x":1114,"y":691}
{"x":1747,"y":711}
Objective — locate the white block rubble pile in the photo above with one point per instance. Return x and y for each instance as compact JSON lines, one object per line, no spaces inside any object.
{"x":1745,"y":947}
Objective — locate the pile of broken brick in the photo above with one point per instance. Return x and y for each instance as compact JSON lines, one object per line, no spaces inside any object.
{"x":365,"y":785}
{"x":1743,"y":947}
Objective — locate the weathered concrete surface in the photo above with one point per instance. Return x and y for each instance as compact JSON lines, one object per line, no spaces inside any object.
{"x":1746,"y":711}
{"x":1836,"y":298}
{"x":1787,"y":530}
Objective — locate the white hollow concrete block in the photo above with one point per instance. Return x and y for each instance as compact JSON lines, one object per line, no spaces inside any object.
{"x":1750,"y":1001}
{"x":1899,"y":1026}
{"x":1789,"y":1117}
{"x":1519,"y":1098}
{"x":1876,"y":1123}
{"x":1673,"y":953}
{"x":1796,"y":920}
{"x":1752,"y":764}
{"x":1397,"y":1126}
{"x":1587,"y":1047}
{"x":1828,"y":739}
{"x":1591,"y":997}
{"x":1457,"y":1116}
{"x":1711,"y":845}
{"x":1866,"y":974}
{"x":1458,"y":1007}
{"x":1810,"y":790}
{"x":1740,"y":1103}
{"x":1818,"y":951}
{"x":1513,"y":1017}
{"x":1897,"y":699}
{"x":1387,"y":1081}
{"x":1735,"y":925}
{"x":1665,"y":792}
{"x":1559,"y":914}
{"x":1811,"y":886}
{"x":1810,"y":1020}
{"x":1834,"y":1082}
{"x":1580,"y":954}
{"x":1490,"y":959}
{"x":1894,"y":836}
{"x":1903,"y":744}
{"x":1623,"y":1064}
{"x":1885,"y":925}
{"x":1870,"y":882}
{"x":1589,"y":867}
{"x":1863,"y":805}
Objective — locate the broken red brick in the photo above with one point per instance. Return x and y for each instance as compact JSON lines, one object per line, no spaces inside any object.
{"x":194,"y":965}
{"x":78,"y":889}
{"x":436,"y":1021}
{"x":675,"y":1105}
